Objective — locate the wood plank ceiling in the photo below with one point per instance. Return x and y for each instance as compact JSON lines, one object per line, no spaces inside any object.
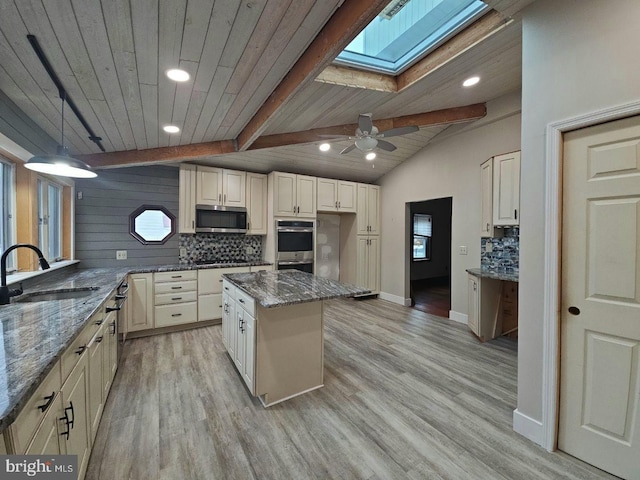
{"x":111,"y":56}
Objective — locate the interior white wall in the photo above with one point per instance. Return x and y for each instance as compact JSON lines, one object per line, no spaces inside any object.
{"x":578,"y":58}
{"x":448,"y":167}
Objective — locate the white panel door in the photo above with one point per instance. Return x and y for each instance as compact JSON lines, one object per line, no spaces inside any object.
{"x":306,"y":187}
{"x":362,"y":215}
{"x":249,"y":351}
{"x":257,"y":203}
{"x":327,"y":195}
{"x":240,"y":339}
{"x":506,"y":189}
{"x":187,"y":199}
{"x":362,"y":262}
{"x":347,"y":196}
{"x":486,"y":198}
{"x":208,"y":186}
{"x":373,"y":209}
{"x":373,"y":272}
{"x":234,"y":184}
{"x":284,"y":200}
{"x":600,"y":310}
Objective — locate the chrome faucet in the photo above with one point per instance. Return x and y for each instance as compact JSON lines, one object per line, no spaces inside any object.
{"x":5,"y":293}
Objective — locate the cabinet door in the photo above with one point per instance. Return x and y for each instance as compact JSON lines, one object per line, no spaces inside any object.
{"x":140,"y":302}
{"x":239,"y":340}
{"x":346,"y":196}
{"x":506,"y":189}
{"x":373,"y":267}
{"x":95,"y":351}
{"x":47,"y":440}
{"x":234,"y":185}
{"x":209,"y":307}
{"x":373,"y":209}
{"x":112,"y":334}
{"x":284,"y":199}
{"x":486,"y":198}
{"x":225,"y":320}
{"x":187,"y":199}
{"x":257,"y":204}
{"x":233,"y":329}
{"x":362,"y":262}
{"x":473,"y":303}
{"x":74,"y":395}
{"x":327,"y":195}
{"x":306,"y":188}
{"x":249,"y":351}
{"x":362,"y":213}
{"x":209,"y":186}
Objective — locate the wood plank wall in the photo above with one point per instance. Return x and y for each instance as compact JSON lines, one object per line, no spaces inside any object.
{"x":102,"y":215}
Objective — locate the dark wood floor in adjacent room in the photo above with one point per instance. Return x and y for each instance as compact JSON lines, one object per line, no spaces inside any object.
{"x":407,"y":396}
{"x":432,"y":296}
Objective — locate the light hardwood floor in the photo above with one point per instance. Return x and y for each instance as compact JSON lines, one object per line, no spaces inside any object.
{"x":407,"y":395}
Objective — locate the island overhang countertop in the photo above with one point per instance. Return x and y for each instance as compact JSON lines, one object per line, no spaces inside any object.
{"x":289,"y":287}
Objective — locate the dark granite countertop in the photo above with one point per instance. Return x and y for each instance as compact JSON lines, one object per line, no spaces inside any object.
{"x":482,"y":273}
{"x":289,"y":287}
{"x":33,"y":335}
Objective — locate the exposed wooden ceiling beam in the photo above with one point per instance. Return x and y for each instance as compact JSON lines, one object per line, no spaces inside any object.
{"x":351,"y":77}
{"x":344,"y":25}
{"x":157,"y":155}
{"x":438,"y":117}
{"x":475,"y":33}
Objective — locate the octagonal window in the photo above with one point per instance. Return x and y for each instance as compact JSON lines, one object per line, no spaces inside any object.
{"x":152,"y":224}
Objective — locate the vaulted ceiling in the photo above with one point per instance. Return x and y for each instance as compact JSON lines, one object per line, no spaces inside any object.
{"x":253,"y":65}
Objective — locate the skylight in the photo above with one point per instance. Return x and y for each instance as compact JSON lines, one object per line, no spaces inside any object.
{"x":407,"y":29}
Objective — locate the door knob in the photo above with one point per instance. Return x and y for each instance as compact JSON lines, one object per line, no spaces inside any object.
{"x":574,"y":310}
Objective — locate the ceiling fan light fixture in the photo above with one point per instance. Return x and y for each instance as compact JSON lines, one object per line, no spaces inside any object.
{"x":366,"y":144}
{"x":178,"y":75}
{"x":325,"y":147}
{"x":471,"y":81}
{"x":370,"y":155}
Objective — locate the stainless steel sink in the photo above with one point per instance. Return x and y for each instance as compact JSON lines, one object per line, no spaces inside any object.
{"x":48,"y":295}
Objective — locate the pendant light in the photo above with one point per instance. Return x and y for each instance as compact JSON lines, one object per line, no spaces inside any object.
{"x":61,"y":164}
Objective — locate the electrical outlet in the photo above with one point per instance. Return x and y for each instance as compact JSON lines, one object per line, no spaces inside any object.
{"x":183,"y":252}
{"x":249,"y":250}
{"x":462,"y":250}
{"x":121,"y":254}
{"x":79,"y":195}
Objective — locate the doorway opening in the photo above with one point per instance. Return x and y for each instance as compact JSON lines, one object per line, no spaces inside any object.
{"x":430,"y":255}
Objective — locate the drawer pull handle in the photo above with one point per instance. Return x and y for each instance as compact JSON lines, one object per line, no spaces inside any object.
{"x":121,"y":297}
{"x":113,"y":328}
{"x":99,"y":339}
{"x":176,"y":314}
{"x":69,"y":423}
{"x":176,"y":288}
{"x":113,"y":309}
{"x":99,"y":322}
{"x":49,"y":400}
{"x":241,"y":300}
{"x":226,"y":288}
{"x":81,"y":350}
{"x":220,"y":280}
{"x":176,"y":276}
{"x":176,"y":298}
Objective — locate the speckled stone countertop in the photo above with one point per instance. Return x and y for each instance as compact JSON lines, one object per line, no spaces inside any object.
{"x":479,"y":272}
{"x":289,"y":287}
{"x":33,"y":335}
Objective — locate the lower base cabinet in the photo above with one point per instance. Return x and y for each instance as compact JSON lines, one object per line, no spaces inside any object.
{"x":47,"y":440}
{"x":368,"y":263}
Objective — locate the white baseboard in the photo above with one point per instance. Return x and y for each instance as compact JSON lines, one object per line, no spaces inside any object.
{"x":458,"y":317}
{"x":395,"y":299}
{"x":528,"y":427}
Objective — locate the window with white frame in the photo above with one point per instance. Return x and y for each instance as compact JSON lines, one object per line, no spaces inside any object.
{"x":421,"y":237}
{"x":7,"y":221}
{"x":50,"y":218}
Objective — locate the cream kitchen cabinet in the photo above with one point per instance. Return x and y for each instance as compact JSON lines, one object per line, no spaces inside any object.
{"x":506,"y":189}
{"x":336,"y":195}
{"x":238,"y":328}
{"x":368,"y":209}
{"x":96,"y":395}
{"x":175,"y":298}
{"x":293,"y":195}
{"x":256,"y":204}
{"x":140,"y":302}
{"x":368,"y":263}
{"x":486,"y":198}
{"x":473,"y":302}
{"x":111,"y":352}
{"x":228,"y":319}
{"x":187,"y":199}
{"x":47,"y":440}
{"x":210,"y":304}
{"x":217,"y":186}
{"x":483,"y":305}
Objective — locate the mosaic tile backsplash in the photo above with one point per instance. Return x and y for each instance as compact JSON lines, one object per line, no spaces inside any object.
{"x":220,"y":248}
{"x":505,"y":252}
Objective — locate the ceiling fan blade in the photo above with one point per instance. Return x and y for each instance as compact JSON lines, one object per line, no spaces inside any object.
{"x":394,"y":132}
{"x":387,"y":146}
{"x":348,"y":149}
{"x":334,"y":136}
{"x":365,"y":123}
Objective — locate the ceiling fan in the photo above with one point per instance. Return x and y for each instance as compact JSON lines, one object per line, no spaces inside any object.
{"x":367,"y":136}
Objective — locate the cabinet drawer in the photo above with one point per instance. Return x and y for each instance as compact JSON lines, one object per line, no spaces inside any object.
{"x":173,"y":287}
{"x":210,"y":280}
{"x":31,"y":415}
{"x":72,"y":354}
{"x":229,"y":289}
{"x":161,"y":277}
{"x":246,"y":302}
{"x":167,"y":315}
{"x":180,"y":297}
{"x":209,"y":307}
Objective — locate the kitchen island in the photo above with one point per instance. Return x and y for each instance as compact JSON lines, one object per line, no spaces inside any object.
{"x":273,"y":330}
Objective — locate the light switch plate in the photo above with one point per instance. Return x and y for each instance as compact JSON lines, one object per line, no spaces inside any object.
{"x":121,"y":254}
{"x":249,"y":250}
{"x":183,"y":252}
{"x":462,"y":250}
{"x":488,"y":247}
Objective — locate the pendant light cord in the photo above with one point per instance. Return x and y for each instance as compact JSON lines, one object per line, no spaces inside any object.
{"x":62,"y":133}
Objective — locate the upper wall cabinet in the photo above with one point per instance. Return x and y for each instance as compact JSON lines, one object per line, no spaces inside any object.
{"x":486,"y":198}
{"x":187,"y":199}
{"x":506,"y":189}
{"x":336,"y":195}
{"x":217,"y":186}
{"x":257,"y":204}
{"x":368,"y":215}
{"x":293,"y":195}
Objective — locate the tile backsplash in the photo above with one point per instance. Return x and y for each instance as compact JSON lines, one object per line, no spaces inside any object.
{"x":220,"y":247}
{"x":505,"y":252}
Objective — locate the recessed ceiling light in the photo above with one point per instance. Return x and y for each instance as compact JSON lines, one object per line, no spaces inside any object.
{"x":469,"y":82}
{"x":171,"y":129}
{"x":370,"y":155}
{"x":178,"y":75}
{"x":324,"y":147}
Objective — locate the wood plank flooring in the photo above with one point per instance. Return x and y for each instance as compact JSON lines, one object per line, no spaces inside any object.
{"x":407,"y":396}
{"x":432,"y":296}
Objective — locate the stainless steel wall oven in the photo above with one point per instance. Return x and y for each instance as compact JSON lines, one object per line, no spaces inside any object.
{"x":295,"y":245}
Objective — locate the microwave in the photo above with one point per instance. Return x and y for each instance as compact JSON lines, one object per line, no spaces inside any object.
{"x":220,"y":219}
